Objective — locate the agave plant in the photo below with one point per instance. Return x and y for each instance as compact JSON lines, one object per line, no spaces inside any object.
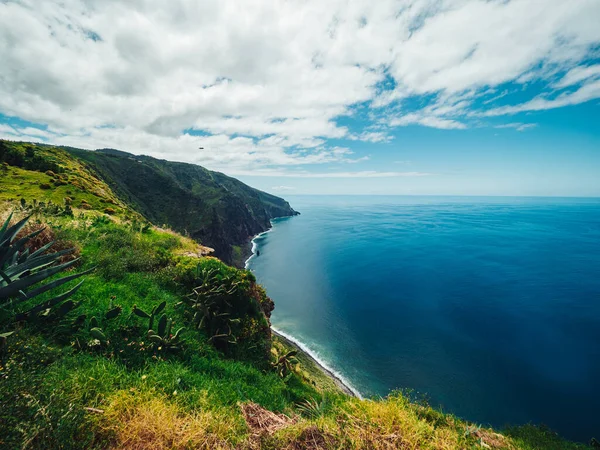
{"x":312,"y":408}
{"x":284,"y":364}
{"x":22,"y":271}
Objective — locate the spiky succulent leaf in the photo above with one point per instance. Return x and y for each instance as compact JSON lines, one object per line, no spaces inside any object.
{"x":24,"y":282}
{"x":66,"y":308}
{"x":47,"y":304}
{"x":168,"y":330}
{"x":57,"y":283}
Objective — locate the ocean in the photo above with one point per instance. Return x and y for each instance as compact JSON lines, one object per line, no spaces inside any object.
{"x":489,"y":307}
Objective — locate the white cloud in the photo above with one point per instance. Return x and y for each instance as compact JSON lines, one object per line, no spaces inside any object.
{"x":371,"y":136}
{"x":518,"y":126}
{"x":578,"y":74}
{"x":283,"y":188}
{"x":264,"y":83}
{"x":427,"y":121}
{"x":305,"y":174}
{"x":588,"y":91}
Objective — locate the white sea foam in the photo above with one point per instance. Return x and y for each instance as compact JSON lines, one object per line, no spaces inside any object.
{"x":313,"y":354}
{"x":305,"y":348}
{"x":255,"y":246}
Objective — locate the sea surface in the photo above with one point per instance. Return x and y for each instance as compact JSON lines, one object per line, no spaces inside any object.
{"x":490,"y":307}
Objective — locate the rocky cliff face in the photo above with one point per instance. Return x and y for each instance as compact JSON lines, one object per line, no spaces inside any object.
{"x":216,"y":210}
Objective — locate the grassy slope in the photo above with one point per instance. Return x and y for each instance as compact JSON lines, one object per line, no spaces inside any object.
{"x":75,"y":183}
{"x":209,"y":206}
{"x":188,"y":399}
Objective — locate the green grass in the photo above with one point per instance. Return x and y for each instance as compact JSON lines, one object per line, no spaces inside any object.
{"x":56,"y":392}
{"x":74,"y":182}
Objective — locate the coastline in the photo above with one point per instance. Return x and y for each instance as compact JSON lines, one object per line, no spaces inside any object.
{"x":342,"y":384}
{"x":300,"y":347}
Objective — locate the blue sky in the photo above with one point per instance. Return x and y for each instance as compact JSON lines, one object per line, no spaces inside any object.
{"x":457,"y":97}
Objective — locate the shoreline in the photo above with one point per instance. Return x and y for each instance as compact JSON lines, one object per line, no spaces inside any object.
{"x":338,"y":379}
{"x":342,"y":384}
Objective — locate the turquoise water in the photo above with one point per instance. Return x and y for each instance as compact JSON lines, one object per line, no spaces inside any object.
{"x":488,"y":306}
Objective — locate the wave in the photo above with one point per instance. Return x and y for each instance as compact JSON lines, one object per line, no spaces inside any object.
{"x":314,"y":355}
{"x":254,"y":247}
{"x":304,"y":347}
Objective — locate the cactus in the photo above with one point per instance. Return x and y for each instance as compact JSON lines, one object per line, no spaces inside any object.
{"x":112,"y":313}
{"x":21,"y":270}
{"x":212,"y":310}
{"x":96,"y":331}
{"x":161,"y":339}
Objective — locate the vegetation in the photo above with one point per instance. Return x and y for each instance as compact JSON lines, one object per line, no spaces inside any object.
{"x":22,"y":267}
{"x":212,"y":208}
{"x":172,"y":351}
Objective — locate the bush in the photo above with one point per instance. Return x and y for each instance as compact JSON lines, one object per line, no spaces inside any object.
{"x":45,"y":186}
{"x":228,"y":305}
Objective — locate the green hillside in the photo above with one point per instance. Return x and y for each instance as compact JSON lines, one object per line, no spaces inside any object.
{"x":211,"y":207}
{"x":162,"y":347}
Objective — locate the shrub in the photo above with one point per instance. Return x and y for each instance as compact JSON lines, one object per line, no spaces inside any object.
{"x":45,"y":186}
{"x":228,"y":306}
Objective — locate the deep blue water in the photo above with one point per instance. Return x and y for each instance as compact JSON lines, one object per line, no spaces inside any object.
{"x":489,"y":306}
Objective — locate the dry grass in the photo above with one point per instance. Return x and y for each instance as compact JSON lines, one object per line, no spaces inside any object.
{"x":153,"y":423}
{"x":389,"y":424}
{"x":46,"y":236}
{"x":188,"y":247}
{"x":262,"y":421}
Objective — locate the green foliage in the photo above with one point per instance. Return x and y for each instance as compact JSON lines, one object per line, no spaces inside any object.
{"x":21,"y":270}
{"x":67,"y":178}
{"x":162,"y":339}
{"x":312,"y":408}
{"x":26,"y":157}
{"x":226,"y":305}
{"x":122,"y":251}
{"x":284,"y":364}
{"x":46,"y":209}
{"x":98,"y":337}
{"x":215,"y":209}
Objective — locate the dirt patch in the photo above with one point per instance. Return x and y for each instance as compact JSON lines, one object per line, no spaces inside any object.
{"x":312,"y":438}
{"x":262,"y":421}
{"x":489,"y":439}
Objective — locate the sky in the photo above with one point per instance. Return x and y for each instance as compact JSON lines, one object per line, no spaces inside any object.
{"x":450,"y":97}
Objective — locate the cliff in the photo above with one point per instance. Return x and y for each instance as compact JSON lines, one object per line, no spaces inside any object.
{"x":212,"y":208}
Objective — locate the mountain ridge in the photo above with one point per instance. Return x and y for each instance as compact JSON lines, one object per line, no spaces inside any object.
{"x":212,"y":208}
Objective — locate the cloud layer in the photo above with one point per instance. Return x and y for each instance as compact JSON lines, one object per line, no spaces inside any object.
{"x":264,"y":85}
